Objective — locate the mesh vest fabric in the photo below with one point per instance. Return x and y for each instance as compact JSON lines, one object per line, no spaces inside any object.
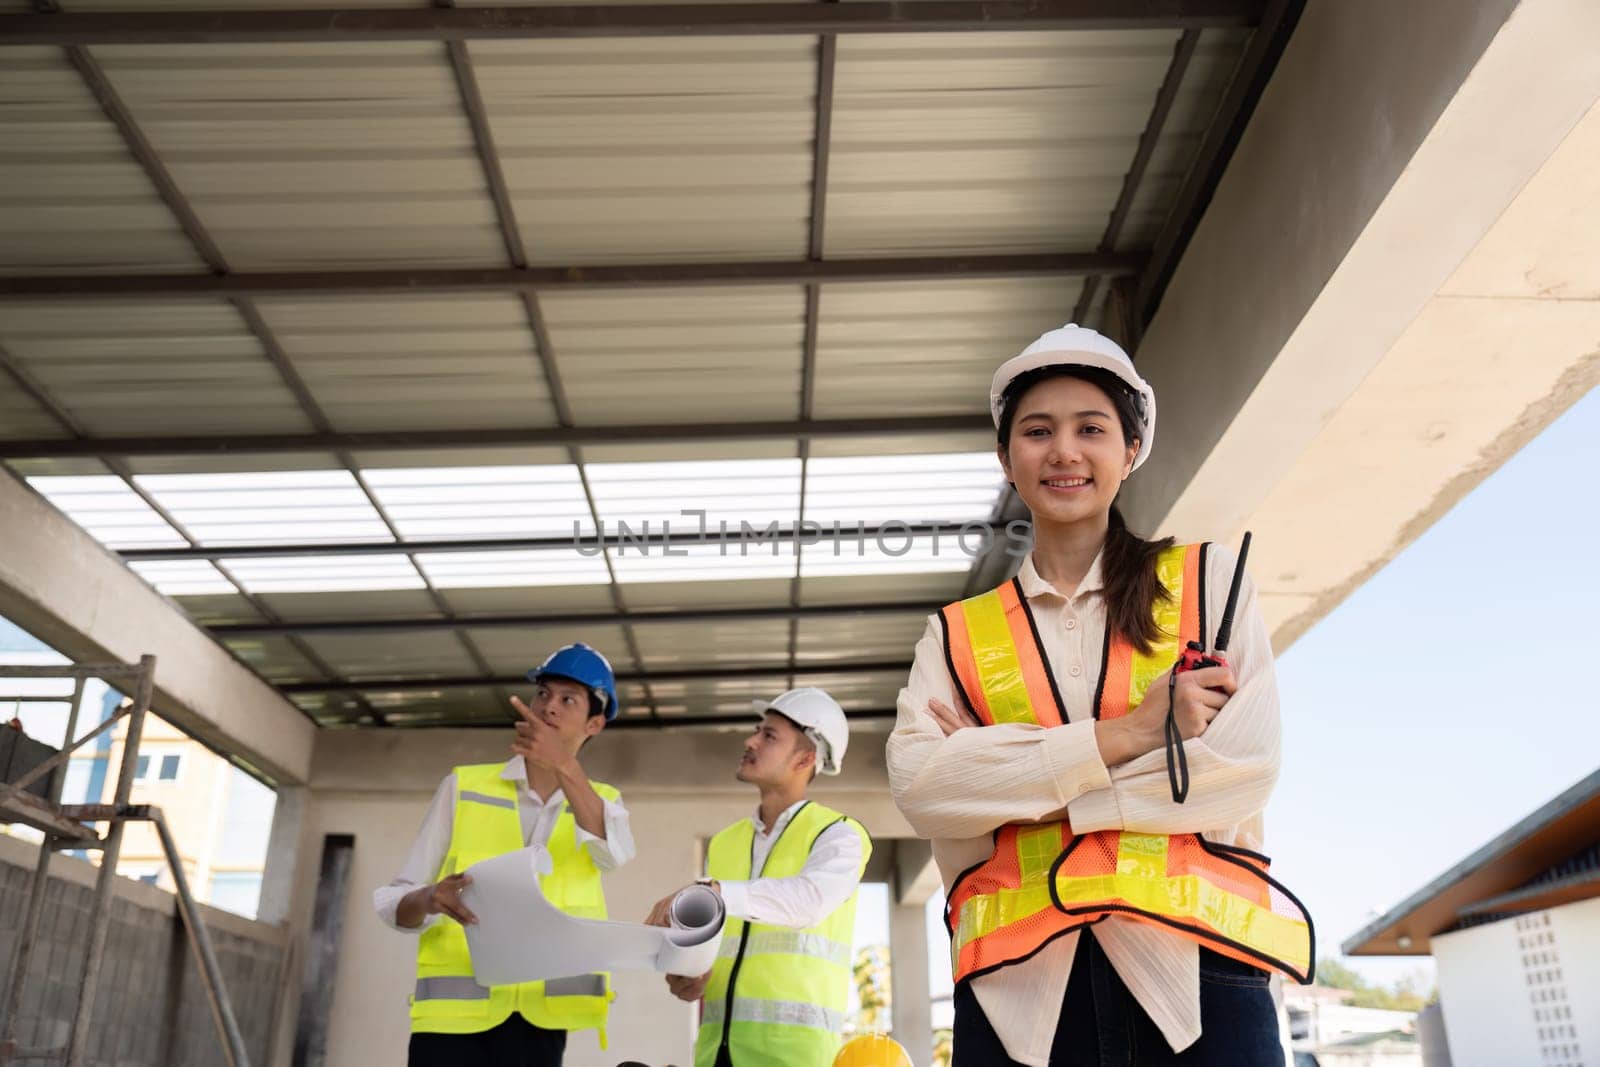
{"x":486,"y":823}
{"x":1042,"y":880}
{"x":777,"y":997}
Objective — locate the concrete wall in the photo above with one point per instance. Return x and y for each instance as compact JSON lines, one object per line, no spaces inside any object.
{"x":150,"y":1009}
{"x":1540,"y":977}
{"x":679,"y":790}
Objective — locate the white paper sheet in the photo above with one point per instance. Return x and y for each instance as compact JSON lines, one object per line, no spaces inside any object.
{"x":521,"y":937}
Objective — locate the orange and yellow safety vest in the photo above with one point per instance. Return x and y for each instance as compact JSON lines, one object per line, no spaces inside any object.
{"x":1042,"y":880}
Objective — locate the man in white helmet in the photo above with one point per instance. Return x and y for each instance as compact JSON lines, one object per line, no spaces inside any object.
{"x":777,"y":995}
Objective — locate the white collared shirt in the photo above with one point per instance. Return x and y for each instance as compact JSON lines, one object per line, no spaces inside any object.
{"x":538,"y":819}
{"x":831,"y":873}
{"x":958,"y":790}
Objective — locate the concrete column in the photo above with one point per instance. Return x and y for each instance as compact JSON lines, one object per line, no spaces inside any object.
{"x":915,"y":880}
{"x":283,"y":852}
{"x":912,"y":1012}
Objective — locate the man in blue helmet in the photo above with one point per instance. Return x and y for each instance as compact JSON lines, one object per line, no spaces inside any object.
{"x":540,"y":796}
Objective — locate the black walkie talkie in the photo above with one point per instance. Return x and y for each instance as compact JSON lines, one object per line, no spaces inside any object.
{"x":1193,"y":658}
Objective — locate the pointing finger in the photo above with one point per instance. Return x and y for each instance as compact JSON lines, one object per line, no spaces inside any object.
{"x":523,"y":710}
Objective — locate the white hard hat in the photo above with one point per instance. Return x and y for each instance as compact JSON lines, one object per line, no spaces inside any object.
{"x":820,"y":717}
{"x":1074,"y":345}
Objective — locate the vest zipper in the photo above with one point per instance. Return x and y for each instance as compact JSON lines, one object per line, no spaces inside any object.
{"x":744,"y":939}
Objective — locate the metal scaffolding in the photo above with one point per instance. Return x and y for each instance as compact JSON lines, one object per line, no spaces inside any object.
{"x":68,"y":827}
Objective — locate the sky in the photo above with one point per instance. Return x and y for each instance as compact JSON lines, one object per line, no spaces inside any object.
{"x":1448,"y":697}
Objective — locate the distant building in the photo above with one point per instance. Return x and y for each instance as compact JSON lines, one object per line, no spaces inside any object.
{"x":1395,"y":1048}
{"x":220,"y":816}
{"x":1336,"y":1033}
{"x":1318,"y":1015}
{"x":1515,"y":931}
{"x":220,"y":819}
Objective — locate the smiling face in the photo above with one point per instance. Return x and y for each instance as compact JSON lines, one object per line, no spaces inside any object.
{"x":775,"y":751}
{"x":1066,"y":452}
{"x":566,"y":705}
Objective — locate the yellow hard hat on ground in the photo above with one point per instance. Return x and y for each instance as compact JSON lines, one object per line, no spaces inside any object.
{"x":872,"y":1050}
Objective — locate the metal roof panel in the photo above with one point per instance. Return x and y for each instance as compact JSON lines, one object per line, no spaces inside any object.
{"x":76,"y":200}
{"x":315,"y":155}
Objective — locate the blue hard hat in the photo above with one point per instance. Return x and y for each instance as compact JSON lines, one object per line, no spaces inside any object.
{"x":582,"y":664}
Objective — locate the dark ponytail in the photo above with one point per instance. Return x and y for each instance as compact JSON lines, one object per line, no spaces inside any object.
{"x":1132,"y":586}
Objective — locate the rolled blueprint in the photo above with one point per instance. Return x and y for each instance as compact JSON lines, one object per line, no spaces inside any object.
{"x":521,"y":937}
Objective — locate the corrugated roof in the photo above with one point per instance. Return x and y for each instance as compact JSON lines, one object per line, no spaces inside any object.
{"x":1215,"y":61}
{"x":23,"y":417}
{"x":668,"y":150}
{"x":76,"y":202}
{"x":426,"y":362}
{"x":674,"y":355}
{"x":362,"y":155}
{"x":926,"y":348}
{"x":143,"y":368}
{"x":315,"y":154}
{"x":986,"y":142}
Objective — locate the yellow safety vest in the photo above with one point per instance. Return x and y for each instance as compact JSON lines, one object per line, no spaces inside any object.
{"x":785,"y":991}
{"x":447,"y":1000}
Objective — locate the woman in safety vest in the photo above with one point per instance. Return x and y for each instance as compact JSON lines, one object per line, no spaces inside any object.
{"x":1094,"y":918}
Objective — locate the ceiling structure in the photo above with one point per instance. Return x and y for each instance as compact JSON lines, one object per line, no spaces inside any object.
{"x":401,"y":345}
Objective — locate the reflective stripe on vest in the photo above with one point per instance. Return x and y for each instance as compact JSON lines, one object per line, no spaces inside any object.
{"x":788,"y":1012}
{"x":789,"y":942}
{"x":1042,"y":881}
{"x":450,"y":989}
{"x":777,"y":997}
{"x":487,"y":823}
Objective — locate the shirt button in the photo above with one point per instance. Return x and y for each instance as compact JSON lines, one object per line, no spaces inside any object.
{"x":1084,"y":787}
{"x":1075,"y":671}
{"x":1072,"y":624}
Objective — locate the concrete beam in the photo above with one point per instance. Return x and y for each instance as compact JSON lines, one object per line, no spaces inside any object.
{"x":1306,"y":320}
{"x":58,"y":583}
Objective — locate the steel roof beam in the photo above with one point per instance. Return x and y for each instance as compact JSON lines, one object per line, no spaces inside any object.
{"x":775,"y":670}
{"x":572,"y":620}
{"x":748,"y":540}
{"x":547,"y":437}
{"x":408,"y":280}
{"x":618,"y":20}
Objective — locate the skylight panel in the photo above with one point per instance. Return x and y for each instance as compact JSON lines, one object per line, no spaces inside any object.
{"x":188,"y":577}
{"x":108,"y":510}
{"x":732,"y":561}
{"x":890,"y":552}
{"x":324,"y":574}
{"x":268,"y":507}
{"x":941,"y":488}
{"x":484,"y":502}
{"x":756,"y":492}
{"x":466,"y":570}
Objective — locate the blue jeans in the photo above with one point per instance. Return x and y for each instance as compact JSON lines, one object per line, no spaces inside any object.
{"x":1101,"y":1025}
